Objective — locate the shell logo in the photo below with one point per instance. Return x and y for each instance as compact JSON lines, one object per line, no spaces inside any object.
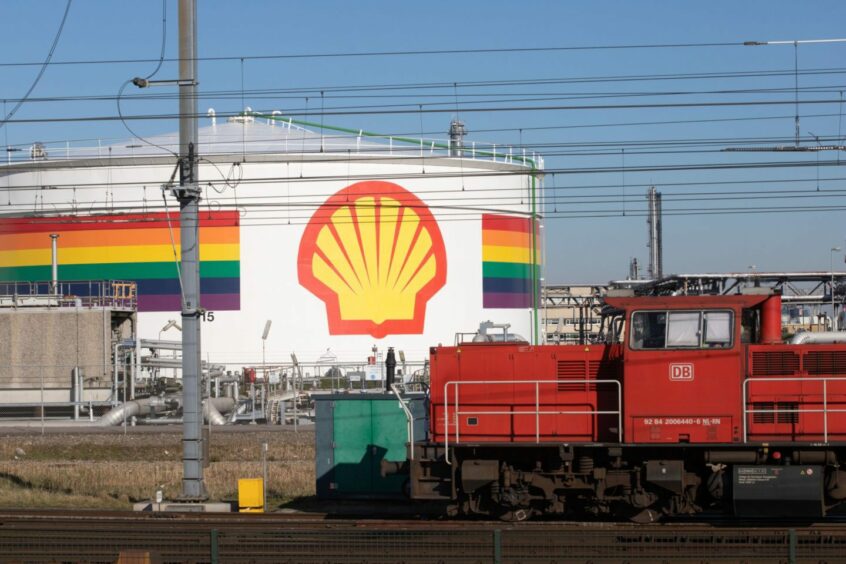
{"x":373,"y":253}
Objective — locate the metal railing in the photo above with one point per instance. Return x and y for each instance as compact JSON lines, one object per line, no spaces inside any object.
{"x":409,"y":417}
{"x":825,"y":410}
{"x":537,"y":412}
{"x":343,"y":141}
{"x":70,"y":293}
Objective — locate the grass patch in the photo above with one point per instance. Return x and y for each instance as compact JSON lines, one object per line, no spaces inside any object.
{"x":110,"y":471}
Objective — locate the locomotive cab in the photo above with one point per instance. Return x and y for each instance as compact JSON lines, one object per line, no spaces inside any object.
{"x":684,"y":360}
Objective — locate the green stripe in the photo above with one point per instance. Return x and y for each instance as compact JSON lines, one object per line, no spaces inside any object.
{"x":507,"y":270}
{"x":119,"y":271}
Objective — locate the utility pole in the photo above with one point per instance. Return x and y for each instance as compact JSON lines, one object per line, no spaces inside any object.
{"x":188,"y":194}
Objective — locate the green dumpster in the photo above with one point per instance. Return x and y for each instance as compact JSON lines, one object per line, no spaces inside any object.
{"x":354,"y":433}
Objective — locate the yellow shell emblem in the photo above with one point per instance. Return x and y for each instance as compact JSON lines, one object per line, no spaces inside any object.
{"x":374,"y":254}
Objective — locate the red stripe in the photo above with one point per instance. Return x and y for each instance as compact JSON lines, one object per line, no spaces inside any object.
{"x":112,"y":221}
{"x":506,"y":223}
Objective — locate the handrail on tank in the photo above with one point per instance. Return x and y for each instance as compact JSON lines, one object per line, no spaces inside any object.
{"x":825,"y":411}
{"x":537,"y":413}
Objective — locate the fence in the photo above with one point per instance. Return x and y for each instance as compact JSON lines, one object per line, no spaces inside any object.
{"x":105,"y":541}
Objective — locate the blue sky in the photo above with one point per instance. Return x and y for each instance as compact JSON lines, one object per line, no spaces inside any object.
{"x":578,"y":249}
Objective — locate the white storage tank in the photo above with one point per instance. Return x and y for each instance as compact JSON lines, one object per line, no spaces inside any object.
{"x":345,"y":240}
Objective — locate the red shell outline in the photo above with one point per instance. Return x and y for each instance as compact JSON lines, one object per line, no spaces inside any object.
{"x":308,"y":246}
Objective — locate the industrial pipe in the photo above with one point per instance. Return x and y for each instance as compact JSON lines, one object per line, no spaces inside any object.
{"x":125,"y":411}
{"x":212,"y":408}
{"x":76,"y":394}
{"x":823,"y":337}
{"x":54,"y":281}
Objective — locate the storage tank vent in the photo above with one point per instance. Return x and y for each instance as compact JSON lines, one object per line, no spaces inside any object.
{"x":38,"y":152}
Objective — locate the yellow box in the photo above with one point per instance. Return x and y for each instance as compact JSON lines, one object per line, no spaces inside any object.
{"x":251,"y":495}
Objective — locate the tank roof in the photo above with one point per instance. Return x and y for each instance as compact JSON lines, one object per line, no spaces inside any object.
{"x":253,"y":134}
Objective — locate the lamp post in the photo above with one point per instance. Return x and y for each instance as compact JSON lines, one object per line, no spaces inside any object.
{"x":831,"y":268}
{"x":263,"y":343}
{"x":171,"y":323}
{"x":264,"y":335}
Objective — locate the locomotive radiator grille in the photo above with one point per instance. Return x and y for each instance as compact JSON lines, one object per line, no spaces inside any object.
{"x":584,"y":370}
{"x":767,"y":412}
{"x":776,"y":363}
{"x":572,"y":370}
{"x":825,"y":362}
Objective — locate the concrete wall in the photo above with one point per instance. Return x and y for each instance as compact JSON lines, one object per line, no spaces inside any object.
{"x":44,"y":345}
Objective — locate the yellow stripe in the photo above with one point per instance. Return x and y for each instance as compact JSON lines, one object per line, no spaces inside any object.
{"x":493,"y":253}
{"x":115,"y":238}
{"x":105,"y":255}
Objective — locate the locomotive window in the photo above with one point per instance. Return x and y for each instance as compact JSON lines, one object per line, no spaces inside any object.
{"x":683,"y":330}
{"x":749,"y":326}
{"x":648,"y":329}
{"x":717,"y":328}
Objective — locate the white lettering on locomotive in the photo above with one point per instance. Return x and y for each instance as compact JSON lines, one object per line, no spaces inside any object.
{"x":681,"y":372}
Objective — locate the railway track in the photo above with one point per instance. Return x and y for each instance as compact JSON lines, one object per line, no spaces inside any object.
{"x":94,"y":537}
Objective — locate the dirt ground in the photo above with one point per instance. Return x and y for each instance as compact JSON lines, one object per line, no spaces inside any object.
{"x":107,"y":469}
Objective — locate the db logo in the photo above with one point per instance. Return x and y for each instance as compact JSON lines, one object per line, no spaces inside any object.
{"x":681,"y":372}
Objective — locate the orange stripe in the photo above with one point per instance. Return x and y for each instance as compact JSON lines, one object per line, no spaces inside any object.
{"x":115,"y":238}
{"x":505,"y":238}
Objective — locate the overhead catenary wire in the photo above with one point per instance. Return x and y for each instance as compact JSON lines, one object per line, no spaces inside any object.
{"x":409,"y":110}
{"x":471,"y":215}
{"x":399,"y":53}
{"x":469,"y":85}
{"x":44,"y":64}
{"x":152,"y":74}
{"x":630,"y":147}
{"x":455,"y":201}
{"x":593,"y":125}
{"x":492,"y":174}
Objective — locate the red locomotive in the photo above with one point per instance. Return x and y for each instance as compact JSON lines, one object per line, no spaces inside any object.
{"x":688,"y":404}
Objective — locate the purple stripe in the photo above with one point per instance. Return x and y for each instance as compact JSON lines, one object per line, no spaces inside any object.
{"x":506,"y":300}
{"x":170,"y":302}
{"x":221,"y":302}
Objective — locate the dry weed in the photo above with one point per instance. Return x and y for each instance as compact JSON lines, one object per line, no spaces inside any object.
{"x":111,"y":470}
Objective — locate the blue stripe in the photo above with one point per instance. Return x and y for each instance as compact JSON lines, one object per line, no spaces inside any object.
{"x":163,"y":286}
{"x":507,"y":285}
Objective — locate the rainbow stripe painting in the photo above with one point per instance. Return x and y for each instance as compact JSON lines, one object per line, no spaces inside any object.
{"x":127,"y":247}
{"x":507,"y":262}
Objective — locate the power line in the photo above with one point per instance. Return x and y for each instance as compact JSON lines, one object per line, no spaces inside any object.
{"x":506,"y":129}
{"x":353,"y":54}
{"x":44,"y":65}
{"x":422,"y":97}
{"x":305,"y":112}
{"x":463,"y":214}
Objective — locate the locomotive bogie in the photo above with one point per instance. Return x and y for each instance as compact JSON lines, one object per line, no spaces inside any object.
{"x":641,"y":483}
